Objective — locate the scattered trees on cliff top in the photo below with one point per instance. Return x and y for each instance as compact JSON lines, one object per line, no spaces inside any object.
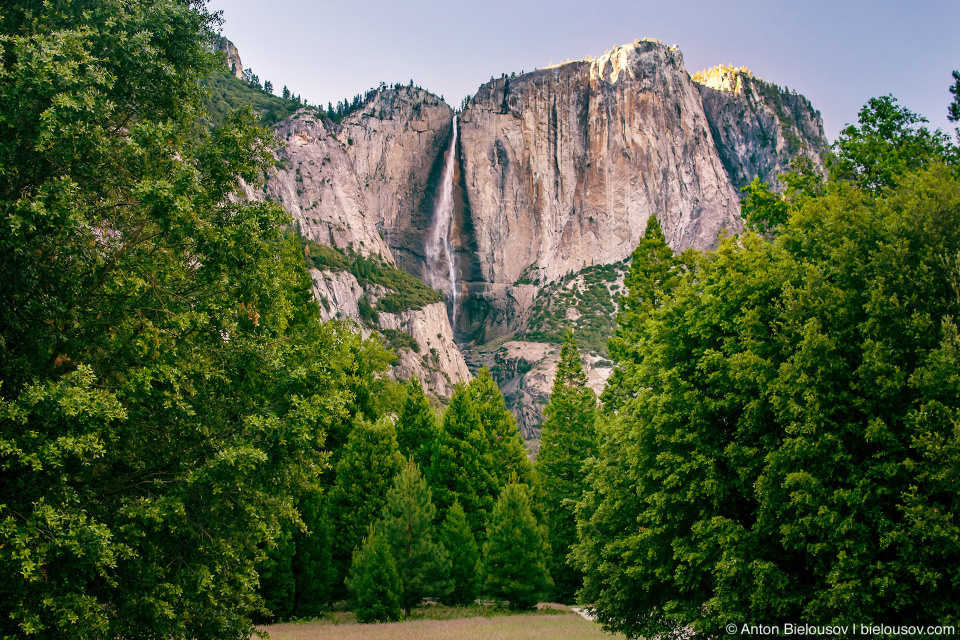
{"x":786,"y":436}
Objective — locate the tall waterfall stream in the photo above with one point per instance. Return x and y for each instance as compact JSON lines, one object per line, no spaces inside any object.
{"x":441,"y":260}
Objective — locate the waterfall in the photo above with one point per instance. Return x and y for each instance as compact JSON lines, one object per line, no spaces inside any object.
{"x":441,"y":261}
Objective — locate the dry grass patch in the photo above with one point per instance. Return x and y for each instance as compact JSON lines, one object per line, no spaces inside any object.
{"x":562,"y":626}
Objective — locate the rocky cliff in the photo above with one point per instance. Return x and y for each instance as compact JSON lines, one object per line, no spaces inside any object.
{"x":229,"y":50}
{"x":428,"y":353}
{"x":395,"y":143}
{"x":759,"y":128}
{"x":556,"y":174}
{"x":316,"y":180}
{"x":563,"y":166}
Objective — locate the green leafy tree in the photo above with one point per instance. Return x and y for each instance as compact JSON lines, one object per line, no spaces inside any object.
{"x":365,"y":473}
{"x":423,"y":564}
{"x":790,"y":447}
{"x":515,"y":552}
{"x":762,"y":209}
{"x":568,"y":438}
{"x":887,"y":145}
{"x":465,"y":567}
{"x":461,"y":467}
{"x":373,"y":581}
{"x":166,"y":380}
{"x":417,"y":426}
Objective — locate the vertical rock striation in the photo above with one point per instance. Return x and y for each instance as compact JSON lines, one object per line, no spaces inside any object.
{"x":758,"y":127}
{"x":396,"y":143}
{"x":563,"y":166}
{"x":316,"y":182}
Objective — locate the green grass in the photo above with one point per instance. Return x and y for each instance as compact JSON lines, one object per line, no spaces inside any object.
{"x":542,"y":625}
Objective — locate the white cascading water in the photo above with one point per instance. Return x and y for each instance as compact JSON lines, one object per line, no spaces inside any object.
{"x":439,"y":251}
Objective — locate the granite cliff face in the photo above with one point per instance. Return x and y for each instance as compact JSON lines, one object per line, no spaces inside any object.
{"x":395,"y":143}
{"x":556,"y":173}
{"x":234,"y":64}
{"x":563,"y":166}
{"x":435,"y":359}
{"x":758,"y":127}
{"x":316,"y":180}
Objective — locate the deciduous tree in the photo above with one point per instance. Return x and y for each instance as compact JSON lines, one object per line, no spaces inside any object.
{"x":166,"y":381}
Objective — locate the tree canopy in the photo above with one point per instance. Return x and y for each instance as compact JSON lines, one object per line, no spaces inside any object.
{"x":167,"y":384}
{"x":786,"y":447}
{"x":568,"y":439}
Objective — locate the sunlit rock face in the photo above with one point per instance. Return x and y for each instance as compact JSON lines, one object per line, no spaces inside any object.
{"x":315,"y":178}
{"x":563,"y":166}
{"x":555,"y":170}
{"x":759,"y":128}
{"x":234,"y":64}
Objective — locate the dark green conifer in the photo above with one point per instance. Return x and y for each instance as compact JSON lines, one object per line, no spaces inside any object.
{"x":373,"y":581}
{"x":417,"y":427}
{"x":461,"y":466}
{"x":312,"y":559}
{"x":515,"y":553}
{"x":655,"y":272}
{"x":423,"y":565}
{"x":277,"y":585}
{"x":505,"y":443}
{"x":465,"y":564}
{"x":365,"y":473}
{"x":567,"y":439}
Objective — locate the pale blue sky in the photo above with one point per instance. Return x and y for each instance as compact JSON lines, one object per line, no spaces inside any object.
{"x":838,"y":53}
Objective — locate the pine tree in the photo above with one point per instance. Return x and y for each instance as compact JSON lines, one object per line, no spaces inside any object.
{"x":277,"y":585}
{"x":461,"y":464}
{"x":655,"y":271}
{"x":505,"y":443}
{"x":373,"y":581}
{"x":465,"y":564}
{"x":365,"y":473}
{"x":407,"y":524}
{"x":311,"y":564}
{"x":568,"y":438}
{"x":515,"y":553}
{"x":417,"y":427}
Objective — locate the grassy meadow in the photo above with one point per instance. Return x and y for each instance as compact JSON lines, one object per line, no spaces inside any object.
{"x":547,"y":623}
